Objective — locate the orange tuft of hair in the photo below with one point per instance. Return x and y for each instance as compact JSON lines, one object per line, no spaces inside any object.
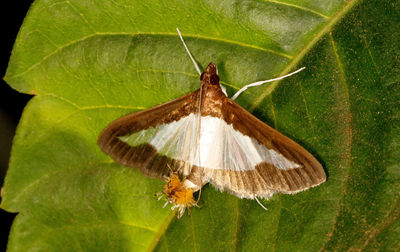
{"x":178,"y":194}
{"x":173,"y":183}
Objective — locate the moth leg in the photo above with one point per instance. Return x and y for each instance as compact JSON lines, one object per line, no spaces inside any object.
{"x":258,"y":201}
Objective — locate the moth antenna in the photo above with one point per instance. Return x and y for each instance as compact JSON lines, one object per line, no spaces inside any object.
{"x":187,"y":50}
{"x":258,"y":83}
{"x":198,"y":139}
{"x":200,"y":101}
{"x":266,"y":209}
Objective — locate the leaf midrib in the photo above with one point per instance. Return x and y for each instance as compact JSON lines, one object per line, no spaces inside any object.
{"x":303,"y":51}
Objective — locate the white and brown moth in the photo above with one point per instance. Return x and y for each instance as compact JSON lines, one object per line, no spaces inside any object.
{"x":206,"y":137}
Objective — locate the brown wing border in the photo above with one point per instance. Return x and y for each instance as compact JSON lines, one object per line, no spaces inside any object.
{"x":145,"y":157}
{"x":310,"y":174}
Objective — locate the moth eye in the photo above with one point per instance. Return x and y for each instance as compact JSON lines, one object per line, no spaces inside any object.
{"x":214,"y":79}
{"x":202,"y":76}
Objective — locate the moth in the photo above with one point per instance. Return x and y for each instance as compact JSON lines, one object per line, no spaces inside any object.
{"x":206,"y":137}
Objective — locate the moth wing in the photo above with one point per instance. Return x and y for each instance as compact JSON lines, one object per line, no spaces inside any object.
{"x":155,"y":140}
{"x":259,"y":160}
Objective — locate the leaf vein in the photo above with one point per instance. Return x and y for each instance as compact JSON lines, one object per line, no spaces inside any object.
{"x":392,"y":215}
{"x":370,"y":55}
{"x":306,"y":108}
{"x":72,"y":42}
{"x":161,"y":231}
{"x":193,"y":233}
{"x":82,"y":108}
{"x":298,"y":7}
{"x":349,"y":139}
{"x":81,"y":16}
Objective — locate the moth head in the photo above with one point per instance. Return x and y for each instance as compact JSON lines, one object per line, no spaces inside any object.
{"x":210,"y":75}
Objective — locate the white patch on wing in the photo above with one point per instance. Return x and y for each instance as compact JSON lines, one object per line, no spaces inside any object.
{"x":177,"y":139}
{"x":221,"y":146}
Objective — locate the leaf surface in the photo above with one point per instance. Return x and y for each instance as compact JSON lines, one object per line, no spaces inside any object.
{"x":90,"y":62}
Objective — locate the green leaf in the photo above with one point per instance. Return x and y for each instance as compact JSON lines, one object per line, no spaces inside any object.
{"x":89,"y":62}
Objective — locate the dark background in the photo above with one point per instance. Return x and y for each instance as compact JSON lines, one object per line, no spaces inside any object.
{"x":12,"y":103}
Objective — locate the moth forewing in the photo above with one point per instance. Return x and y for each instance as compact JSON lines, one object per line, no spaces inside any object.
{"x":287,"y":167}
{"x":128,"y":139}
